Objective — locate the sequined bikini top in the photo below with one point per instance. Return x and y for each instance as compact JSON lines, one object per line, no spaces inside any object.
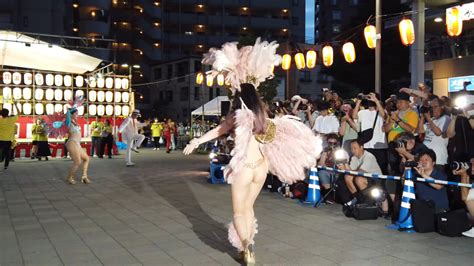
{"x":269,"y":134}
{"x":75,"y":129}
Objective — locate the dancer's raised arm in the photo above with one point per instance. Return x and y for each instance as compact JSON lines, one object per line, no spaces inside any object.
{"x":224,"y":128}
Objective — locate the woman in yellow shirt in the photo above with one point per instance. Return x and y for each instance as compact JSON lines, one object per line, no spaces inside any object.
{"x":107,"y":139}
{"x":40,"y":138}
{"x":156,"y":133}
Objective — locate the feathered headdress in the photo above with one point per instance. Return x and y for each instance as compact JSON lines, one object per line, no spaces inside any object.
{"x":57,"y":124}
{"x":249,"y":64}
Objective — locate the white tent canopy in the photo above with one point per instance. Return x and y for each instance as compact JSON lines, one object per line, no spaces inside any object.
{"x":19,"y":50}
{"x":211,"y":108}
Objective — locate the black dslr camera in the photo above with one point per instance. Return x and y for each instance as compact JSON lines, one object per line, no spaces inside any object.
{"x":456,"y":166}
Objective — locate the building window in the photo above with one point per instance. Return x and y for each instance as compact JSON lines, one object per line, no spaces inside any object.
{"x":197,"y":91}
{"x":170,"y":71}
{"x":161,"y":96}
{"x":183,"y":70}
{"x":295,"y":2}
{"x":197,"y":66}
{"x":218,"y":92}
{"x":354,"y":2}
{"x":169,"y":96}
{"x":158,"y":73}
{"x":336,"y":15}
{"x":333,"y":2}
{"x":305,"y":76}
{"x":295,"y":21}
{"x":185,"y":112}
{"x":25,"y":21}
{"x":184,"y":94}
{"x":211,"y":94}
{"x":336,"y":28}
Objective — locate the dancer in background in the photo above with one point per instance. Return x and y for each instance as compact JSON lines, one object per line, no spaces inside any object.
{"x":156,"y":133}
{"x":41,"y":137}
{"x":258,"y":140}
{"x":129,"y":129}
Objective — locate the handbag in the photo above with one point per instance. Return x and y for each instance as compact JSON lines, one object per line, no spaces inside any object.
{"x":452,"y":223}
{"x":367,"y":135}
{"x":364,"y":211}
{"x":161,"y":141}
{"x":423,"y":214}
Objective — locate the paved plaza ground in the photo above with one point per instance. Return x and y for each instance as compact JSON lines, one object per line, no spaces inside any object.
{"x":163,"y":212}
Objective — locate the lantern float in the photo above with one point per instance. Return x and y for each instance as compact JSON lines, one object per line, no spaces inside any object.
{"x":49,"y":79}
{"x":407,"y":32}
{"x":328,"y":55}
{"x":209,"y":80}
{"x":27,"y":93}
{"x":299,"y":61}
{"x":17,"y":93}
{"x":199,"y":78}
{"x":220,"y":79}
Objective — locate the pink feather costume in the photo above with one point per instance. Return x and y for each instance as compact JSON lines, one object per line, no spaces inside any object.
{"x":294,"y":148}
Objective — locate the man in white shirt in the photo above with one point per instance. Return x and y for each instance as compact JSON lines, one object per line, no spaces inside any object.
{"x":434,"y":123}
{"x":361,"y":161}
{"x":129,"y":129}
{"x":325,"y":123}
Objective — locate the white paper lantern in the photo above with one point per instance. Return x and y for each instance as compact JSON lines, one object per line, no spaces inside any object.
{"x":118,"y":110}
{"x":17,"y":93}
{"x":109,"y":83}
{"x":39,"y":79}
{"x":49,"y":109}
{"x":79,"y":81}
{"x":101,"y":96}
{"x":39,"y":109}
{"x":7,"y":93}
{"x":100,"y":110}
{"x":92,"y":82}
{"x":58,"y":94}
{"x":109,"y":110}
{"x":109,"y":96}
{"x":7,"y":77}
{"x":28,"y":78}
{"x":118,"y":83}
{"x":19,"y":108}
{"x":39,"y":94}
{"x":79,"y":93}
{"x":125,"y":110}
{"x":92,"y":96}
{"x":66,"y":107}
{"x":49,"y":94}
{"x":27,"y":93}
{"x":100,"y":82}
{"x":125,"y":83}
{"x":67,"y":95}
{"x":92,"y":109}
{"x":58,"y":108}
{"x":80,"y":110}
{"x":118,"y":97}
{"x":58,"y":80}
{"x":16,"y":78}
{"x":27,"y":108}
{"x":49,"y":79}
{"x":125,"y":97}
{"x":68,"y":81}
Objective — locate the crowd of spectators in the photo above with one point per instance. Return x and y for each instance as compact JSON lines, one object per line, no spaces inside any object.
{"x":412,"y":128}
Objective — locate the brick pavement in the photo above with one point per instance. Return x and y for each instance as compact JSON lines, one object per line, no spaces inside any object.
{"x":163,"y":212}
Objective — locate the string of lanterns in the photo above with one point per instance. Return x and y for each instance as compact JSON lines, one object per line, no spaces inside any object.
{"x":38,"y":100}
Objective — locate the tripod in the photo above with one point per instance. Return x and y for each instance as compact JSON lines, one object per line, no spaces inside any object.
{"x":334,"y":186}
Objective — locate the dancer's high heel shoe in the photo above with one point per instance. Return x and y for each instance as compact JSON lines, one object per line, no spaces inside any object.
{"x":70,"y":180}
{"x":249,"y":255}
{"x":85,"y":180}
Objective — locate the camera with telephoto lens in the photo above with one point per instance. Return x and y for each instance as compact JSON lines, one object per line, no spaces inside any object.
{"x":426,"y":109}
{"x":339,"y":114}
{"x":362,"y":96}
{"x":399,"y":144}
{"x":411,"y":164}
{"x":456,"y":166}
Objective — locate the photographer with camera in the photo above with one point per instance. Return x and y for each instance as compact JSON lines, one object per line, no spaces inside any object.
{"x":328,"y":159}
{"x":429,"y":191}
{"x":461,"y":169}
{"x":461,"y":132}
{"x":304,"y":110}
{"x":373,"y":112}
{"x":362,"y":161}
{"x":434,"y":124}
{"x":404,"y":119}
{"x":348,"y":128}
{"x":325,"y":123}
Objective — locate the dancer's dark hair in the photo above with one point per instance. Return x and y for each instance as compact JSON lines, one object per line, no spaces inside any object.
{"x":251,"y":98}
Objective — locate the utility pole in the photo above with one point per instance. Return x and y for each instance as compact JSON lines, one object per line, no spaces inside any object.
{"x":378,"y":46}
